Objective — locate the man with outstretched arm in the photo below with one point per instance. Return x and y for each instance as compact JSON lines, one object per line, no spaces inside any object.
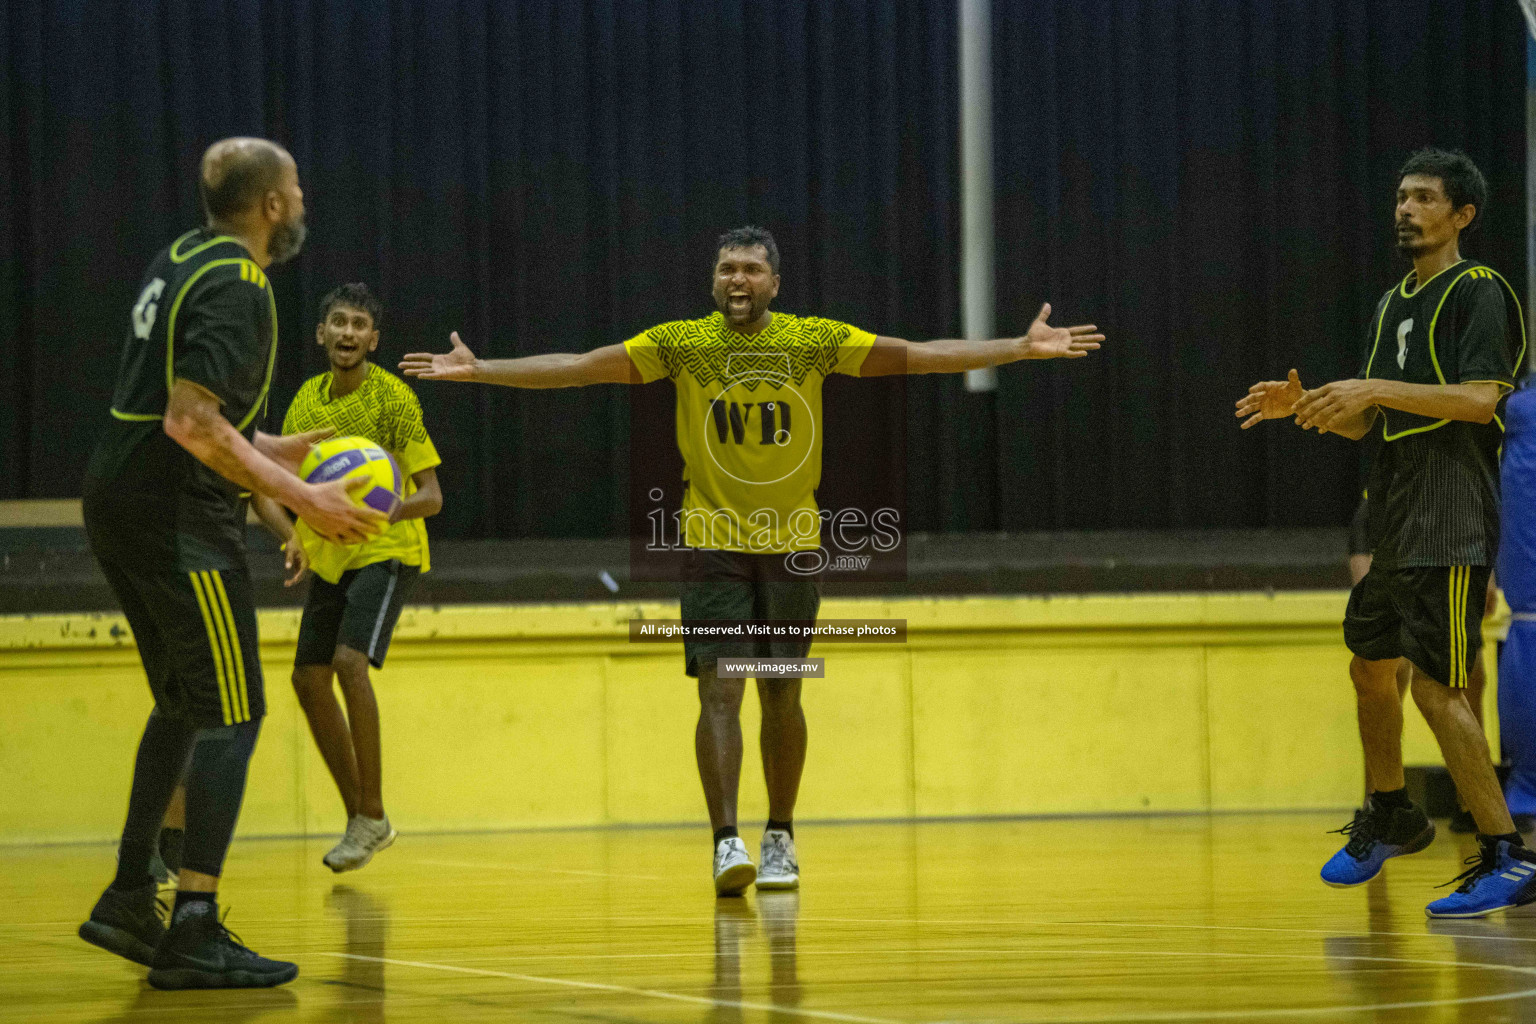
{"x":1440,"y":356}
{"x":749,"y":505}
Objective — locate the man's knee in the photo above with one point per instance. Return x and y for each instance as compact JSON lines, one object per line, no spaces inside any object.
{"x":351,"y":666}
{"x":226,"y":743}
{"x":779,"y":697}
{"x":310,"y":682}
{"x":1432,"y":696}
{"x":719,"y":696}
{"x":1373,"y":678}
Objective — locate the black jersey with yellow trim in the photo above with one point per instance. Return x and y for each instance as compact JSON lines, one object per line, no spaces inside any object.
{"x":1434,"y":484}
{"x":205,"y":312}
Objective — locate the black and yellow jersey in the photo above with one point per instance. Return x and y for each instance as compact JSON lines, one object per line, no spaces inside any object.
{"x":205,"y":313}
{"x":386,"y":411}
{"x":749,"y":423}
{"x":1434,"y":484}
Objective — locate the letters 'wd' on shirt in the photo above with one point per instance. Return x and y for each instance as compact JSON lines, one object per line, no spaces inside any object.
{"x":204,"y":313}
{"x":749,"y":423}
{"x":1434,"y":484}
{"x":386,"y":411}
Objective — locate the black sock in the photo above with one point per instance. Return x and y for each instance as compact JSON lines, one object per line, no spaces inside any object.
{"x":729,"y":832}
{"x":132,"y":866}
{"x":170,"y":847}
{"x":1390,"y":799}
{"x":156,"y":769}
{"x":215,"y":787}
{"x":782,"y":826}
{"x":196,"y":903}
{"x":1512,"y":838}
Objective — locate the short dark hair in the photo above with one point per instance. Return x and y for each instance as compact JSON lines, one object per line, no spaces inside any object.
{"x":243,"y":183}
{"x":1459,"y":176}
{"x":355,"y":295}
{"x":745,"y":238}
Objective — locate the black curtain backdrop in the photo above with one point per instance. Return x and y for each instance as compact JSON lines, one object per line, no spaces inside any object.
{"x":1210,"y":181}
{"x":1213,"y":182}
{"x":542,"y":176}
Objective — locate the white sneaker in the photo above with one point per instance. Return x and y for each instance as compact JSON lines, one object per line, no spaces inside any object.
{"x":780,"y":868}
{"x":365,"y":837}
{"x":734,"y":870}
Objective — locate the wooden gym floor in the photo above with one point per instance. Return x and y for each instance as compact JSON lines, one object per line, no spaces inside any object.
{"x":1093,"y":920}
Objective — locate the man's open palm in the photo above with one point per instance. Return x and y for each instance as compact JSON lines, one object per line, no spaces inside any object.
{"x":1269,"y":400}
{"x":1046,"y":342}
{"x":458,"y":363}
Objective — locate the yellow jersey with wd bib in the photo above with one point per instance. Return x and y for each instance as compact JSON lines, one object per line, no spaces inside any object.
{"x":749,"y":423}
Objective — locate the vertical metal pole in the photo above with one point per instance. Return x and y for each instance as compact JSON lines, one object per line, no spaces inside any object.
{"x":977,"y":312}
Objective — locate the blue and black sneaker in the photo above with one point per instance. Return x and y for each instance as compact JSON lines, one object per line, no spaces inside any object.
{"x":1375,"y":835}
{"x":1501,"y":876}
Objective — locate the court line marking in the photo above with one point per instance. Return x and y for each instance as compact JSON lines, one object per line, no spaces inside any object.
{"x":480,"y":866}
{"x":1308,"y":1011}
{"x":1193,"y":927}
{"x":650,"y":993}
{"x":1333,"y":932}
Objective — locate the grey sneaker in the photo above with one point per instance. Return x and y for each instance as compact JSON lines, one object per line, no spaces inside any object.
{"x":734,"y":869}
{"x":365,"y":837}
{"x":780,"y":868}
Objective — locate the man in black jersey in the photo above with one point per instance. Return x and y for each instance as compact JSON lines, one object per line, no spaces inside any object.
{"x":1441,"y":354}
{"x":166,"y":523}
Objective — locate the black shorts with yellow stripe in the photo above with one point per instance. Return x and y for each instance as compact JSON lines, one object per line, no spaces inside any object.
{"x":196,"y":634}
{"x":1431,"y":615}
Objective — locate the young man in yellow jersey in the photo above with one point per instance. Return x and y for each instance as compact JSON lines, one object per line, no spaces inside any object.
{"x":748,"y":403}
{"x":359,"y":589}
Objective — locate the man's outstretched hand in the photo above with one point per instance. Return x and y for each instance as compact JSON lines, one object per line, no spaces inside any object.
{"x":1270,"y":400}
{"x":1042,"y":341}
{"x":458,"y":363}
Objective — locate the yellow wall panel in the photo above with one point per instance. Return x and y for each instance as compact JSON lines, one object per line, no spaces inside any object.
{"x":651,"y":711}
{"x":68,"y":735}
{"x":1282,"y":728}
{"x":492,"y":742}
{"x":1043,"y":730}
{"x":509,"y":716}
{"x":859,"y":719}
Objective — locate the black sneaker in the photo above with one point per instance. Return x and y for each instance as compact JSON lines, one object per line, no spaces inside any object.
{"x":1462,"y":823}
{"x":199,"y":952}
{"x":129,"y":922}
{"x":1375,"y":836}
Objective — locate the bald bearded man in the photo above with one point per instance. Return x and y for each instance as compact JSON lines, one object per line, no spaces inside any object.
{"x":165,"y":520}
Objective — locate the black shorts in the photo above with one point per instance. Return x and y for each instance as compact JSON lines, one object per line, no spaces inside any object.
{"x":732,"y":586}
{"x":1431,"y":615}
{"x":196,"y":634}
{"x":359,"y":610}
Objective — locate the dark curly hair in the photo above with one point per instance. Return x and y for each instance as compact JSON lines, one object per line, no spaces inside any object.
{"x":355,"y":295}
{"x":745,"y":238}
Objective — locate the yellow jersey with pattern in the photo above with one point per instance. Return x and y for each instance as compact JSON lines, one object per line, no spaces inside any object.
{"x":749,"y":423}
{"x":386,"y":411}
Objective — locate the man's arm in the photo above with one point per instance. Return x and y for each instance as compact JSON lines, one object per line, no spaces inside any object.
{"x":895,"y":355}
{"x":1346,"y":406}
{"x":275,"y":518}
{"x":193,"y":420}
{"x":1352,"y":427}
{"x":426,"y":501}
{"x":607,"y":365}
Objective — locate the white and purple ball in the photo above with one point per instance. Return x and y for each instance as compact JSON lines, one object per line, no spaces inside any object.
{"x":348,"y":458}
